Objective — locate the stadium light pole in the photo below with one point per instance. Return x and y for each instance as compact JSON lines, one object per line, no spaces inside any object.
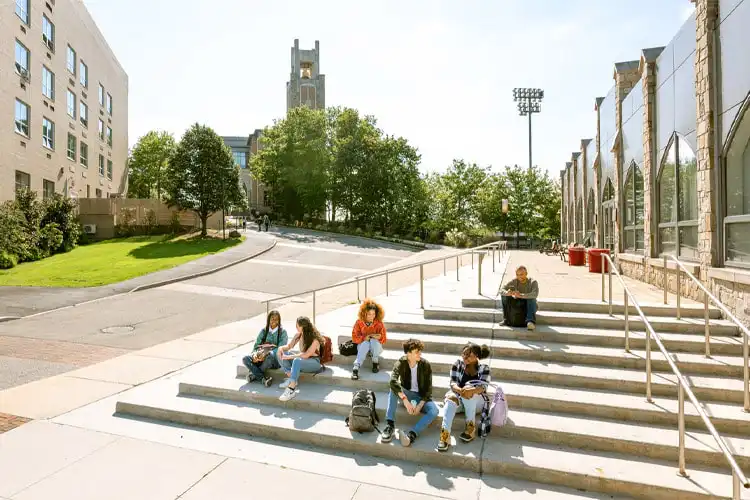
{"x":529,"y":102}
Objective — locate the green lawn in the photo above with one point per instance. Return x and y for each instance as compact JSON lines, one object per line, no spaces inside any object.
{"x":112,"y":261}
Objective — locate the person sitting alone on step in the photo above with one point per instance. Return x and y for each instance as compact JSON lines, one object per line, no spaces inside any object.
{"x":411,"y":382}
{"x":307,"y":360}
{"x":264,"y":355}
{"x":369,"y":335}
{"x":523,"y":291}
{"x":469,"y":380}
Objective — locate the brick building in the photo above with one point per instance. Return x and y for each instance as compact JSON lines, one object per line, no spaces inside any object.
{"x":665,"y":169}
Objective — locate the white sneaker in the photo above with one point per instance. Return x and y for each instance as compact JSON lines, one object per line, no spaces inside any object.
{"x":530,"y":325}
{"x":285,"y":384}
{"x":289,"y":393}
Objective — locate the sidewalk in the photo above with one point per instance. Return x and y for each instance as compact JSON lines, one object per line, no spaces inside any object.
{"x":17,"y":302}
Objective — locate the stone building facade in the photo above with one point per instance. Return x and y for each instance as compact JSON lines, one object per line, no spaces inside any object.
{"x":668,"y":172}
{"x":243,"y":148}
{"x":306,"y":85}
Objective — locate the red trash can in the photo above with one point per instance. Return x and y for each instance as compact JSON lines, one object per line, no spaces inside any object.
{"x":576,"y":256}
{"x":595,"y":260}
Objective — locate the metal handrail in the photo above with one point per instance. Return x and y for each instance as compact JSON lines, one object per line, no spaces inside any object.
{"x":500,"y":246}
{"x":708,"y":295}
{"x":738,"y":477}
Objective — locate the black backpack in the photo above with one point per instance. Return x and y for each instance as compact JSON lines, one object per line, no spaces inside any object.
{"x":348,"y":348}
{"x":363,"y":417}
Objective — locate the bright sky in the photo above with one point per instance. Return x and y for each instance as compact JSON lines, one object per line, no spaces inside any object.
{"x":438,"y":72}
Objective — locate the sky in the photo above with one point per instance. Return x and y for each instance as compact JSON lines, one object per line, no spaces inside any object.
{"x":439,"y":73}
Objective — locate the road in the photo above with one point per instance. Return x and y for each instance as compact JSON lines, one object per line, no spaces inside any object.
{"x":58,"y":341}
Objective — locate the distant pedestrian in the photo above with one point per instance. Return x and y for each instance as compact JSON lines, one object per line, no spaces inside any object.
{"x":244,"y":224}
{"x":259,"y":221}
{"x":266,"y":221}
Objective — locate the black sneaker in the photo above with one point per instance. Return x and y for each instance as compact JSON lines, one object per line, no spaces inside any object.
{"x":375,"y":368}
{"x":267,"y":381}
{"x":355,"y":374}
{"x":250,"y":378}
{"x":387,"y":435}
{"x":407,"y":438}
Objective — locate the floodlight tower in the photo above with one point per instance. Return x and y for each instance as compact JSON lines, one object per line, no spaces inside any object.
{"x":529,"y":102}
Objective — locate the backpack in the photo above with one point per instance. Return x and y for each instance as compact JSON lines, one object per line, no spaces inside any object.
{"x":499,"y":408}
{"x":362,"y":416}
{"x":326,"y":350}
{"x":348,"y":348}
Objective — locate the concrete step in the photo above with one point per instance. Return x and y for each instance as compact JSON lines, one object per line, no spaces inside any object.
{"x":573,"y":431}
{"x":706,"y":388}
{"x":616,"y":321}
{"x":542,"y":350}
{"x":598,"y":307}
{"x":587,"y":470}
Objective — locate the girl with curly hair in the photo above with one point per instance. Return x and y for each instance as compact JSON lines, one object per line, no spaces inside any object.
{"x":369,"y":335}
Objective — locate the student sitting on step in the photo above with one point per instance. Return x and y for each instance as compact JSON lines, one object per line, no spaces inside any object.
{"x":369,"y":335}
{"x":307,"y":360}
{"x":264,"y":355}
{"x":411,"y":382}
{"x":469,"y":379}
{"x":521,"y":288}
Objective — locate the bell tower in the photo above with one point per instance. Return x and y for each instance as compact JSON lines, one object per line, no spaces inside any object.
{"x":306,"y":85}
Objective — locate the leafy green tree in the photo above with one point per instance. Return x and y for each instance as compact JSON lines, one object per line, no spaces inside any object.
{"x":533,"y":200}
{"x":202,"y":176}
{"x":456,"y":195}
{"x":147,"y":165}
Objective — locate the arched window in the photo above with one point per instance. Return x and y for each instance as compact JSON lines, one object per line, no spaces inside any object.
{"x":608,"y":215}
{"x":564,"y":220}
{"x":590,"y":211}
{"x":737,"y":221}
{"x":579,"y":221}
{"x":571,"y":217}
{"x":678,"y":201}
{"x":633,"y":194}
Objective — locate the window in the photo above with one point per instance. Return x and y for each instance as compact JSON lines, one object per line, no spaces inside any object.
{"x":678,"y":201}
{"x":240,"y":158}
{"x":98,"y":193}
{"x":84,"y":112}
{"x":23,"y":181}
{"x":48,"y":33}
{"x":48,"y":189}
{"x":101,"y":95}
{"x":101,"y":129}
{"x":72,"y":147}
{"x":22,"y":10}
{"x":109,"y":103}
{"x":590,"y":212}
{"x":737,"y":221}
{"x":71,"y":98}
{"x":71,"y":64}
{"x":84,"y":75}
{"x":101,"y":165}
{"x":109,"y":136}
{"x":84,"y":156}
{"x":579,"y":221}
{"x":633,"y":189}
{"x":48,"y":133}
{"x":22,"y":118}
{"x":48,"y":83}
{"x":109,"y":169}
{"x":22,"y":59}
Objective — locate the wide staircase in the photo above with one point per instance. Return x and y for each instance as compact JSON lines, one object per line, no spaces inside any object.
{"x":579,"y":417}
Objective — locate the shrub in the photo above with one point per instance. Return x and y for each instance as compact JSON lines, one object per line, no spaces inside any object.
{"x":7,"y":260}
{"x":62,"y":211}
{"x":14,"y":239}
{"x":175,"y":226}
{"x":50,"y":239}
{"x":456,"y":238}
{"x":126,"y":225}
{"x":150,"y":222}
{"x":358,"y":231}
{"x":433,"y":237}
{"x":234,"y":234}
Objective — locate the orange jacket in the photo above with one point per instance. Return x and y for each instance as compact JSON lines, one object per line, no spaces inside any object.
{"x":361,"y":331}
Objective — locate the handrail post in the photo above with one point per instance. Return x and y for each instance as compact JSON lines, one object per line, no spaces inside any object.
{"x":387,"y":288}
{"x":648,"y":364}
{"x":493,"y":259}
{"x":421,"y":286}
{"x":609,"y":271}
{"x":268,"y":307}
{"x":735,"y":486}
{"x":366,"y":295}
{"x":746,"y":369}
{"x":445,"y":269}
{"x":472,"y":259}
{"x":678,"y":277}
{"x":479,"y":280}
{"x":681,"y":425}
{"x":457,"y":267}
{"x":666,"y":282}
{"x":627,"y":322}
{"x":359,"y":299}
{"x":314,"y":308}
{"x":602,"y":255}
{"x":707,"y":329}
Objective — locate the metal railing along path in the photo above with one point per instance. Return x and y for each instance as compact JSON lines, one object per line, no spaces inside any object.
{"x":498,"y":250}
{"x":679,"y":269}
{"x":738,"y":477}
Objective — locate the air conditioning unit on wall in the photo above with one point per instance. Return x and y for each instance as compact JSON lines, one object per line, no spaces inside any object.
{"x":89,"y":228}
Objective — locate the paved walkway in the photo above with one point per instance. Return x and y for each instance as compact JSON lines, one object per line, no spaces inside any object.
{"x":17,"y":301}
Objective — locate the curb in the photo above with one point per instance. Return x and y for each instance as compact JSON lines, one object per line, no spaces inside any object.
{"x":204,"y":273}
{"x":8,"y":318}
{"x":414,"y":246}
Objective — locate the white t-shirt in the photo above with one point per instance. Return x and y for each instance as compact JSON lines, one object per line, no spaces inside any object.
{"x":414,"y":381}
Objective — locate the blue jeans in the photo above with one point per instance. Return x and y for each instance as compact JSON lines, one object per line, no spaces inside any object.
{"x":300,"y":365}
{"x":259,"y":369}
{"x":372,"y":346}
{"x":530,"y":308}
{"x":470,"y":408}
{"x":429,"y":409}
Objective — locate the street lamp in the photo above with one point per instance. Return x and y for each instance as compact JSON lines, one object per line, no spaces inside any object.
{"x":529,"y":102}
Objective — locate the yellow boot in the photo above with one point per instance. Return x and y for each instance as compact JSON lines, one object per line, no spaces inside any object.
{"x":468,"y":435}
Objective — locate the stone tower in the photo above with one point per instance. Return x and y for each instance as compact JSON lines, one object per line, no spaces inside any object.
{"x":306,"y":85}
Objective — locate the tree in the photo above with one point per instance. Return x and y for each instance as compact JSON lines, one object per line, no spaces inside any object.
{"x":456,"y":195}
{"x":202,"y":175}
{"x":534,"y":202}
{"x":148,"y":164}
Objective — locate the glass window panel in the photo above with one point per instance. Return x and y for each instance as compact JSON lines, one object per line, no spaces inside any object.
{"x":738,"y":171}
{"x":667,"y":240}
{"x":667,"y":187}
{"x":738,"y":242}
{"x":22,"y":57}
{"x":629,"y":199}
{"x":689,"y":242}
{"x":639,"y":244}
{"x":630,"y":239}
{"x":71,"y":60}
{"x":638,"y":195}
{"x":688,"y":177}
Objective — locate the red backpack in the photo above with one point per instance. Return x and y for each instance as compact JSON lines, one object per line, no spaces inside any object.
{"x":326,"y":350}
